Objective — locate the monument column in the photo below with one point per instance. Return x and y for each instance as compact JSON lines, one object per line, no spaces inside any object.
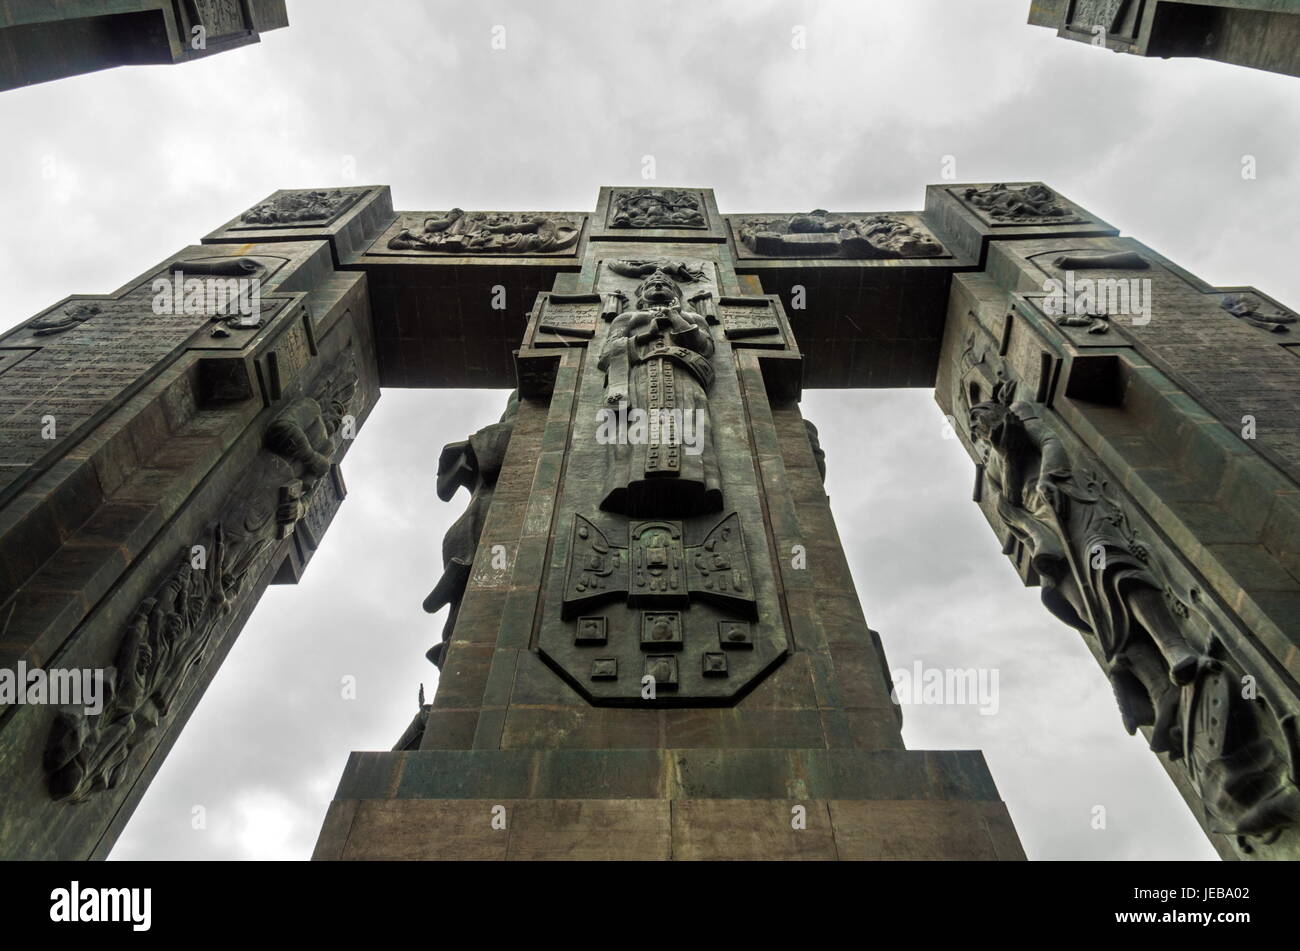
{"x":1261,"y":34}
{"x":40,"y":42}
{"x":656,"y":649}
{"x":1137,"y":453}
{"x":168,"y":450}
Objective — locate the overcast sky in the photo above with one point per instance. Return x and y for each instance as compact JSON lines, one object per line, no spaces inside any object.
{"x":108,"y":174}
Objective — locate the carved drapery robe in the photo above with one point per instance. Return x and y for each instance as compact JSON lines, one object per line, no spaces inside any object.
{"x":1025,"y":457}
{"x":657,"y":361}
{"x":1097,"y":576}
{"x":1093,"y":576}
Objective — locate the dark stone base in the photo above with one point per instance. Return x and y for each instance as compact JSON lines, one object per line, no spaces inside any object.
{"x":667,"y":804}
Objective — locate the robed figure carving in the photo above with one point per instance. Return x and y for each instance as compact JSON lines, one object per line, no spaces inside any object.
{"x":658,"y":373}
{"x":1161,"y":647}
{"x":1094,"y":574}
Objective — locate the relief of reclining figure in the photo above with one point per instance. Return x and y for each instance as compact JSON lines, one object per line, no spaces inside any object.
{"x":822,"y":234}
{"x":486,"y":232}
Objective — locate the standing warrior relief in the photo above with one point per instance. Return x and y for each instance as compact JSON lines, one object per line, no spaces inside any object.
{"x":1161,"y":642}
{"x":657,"y":597}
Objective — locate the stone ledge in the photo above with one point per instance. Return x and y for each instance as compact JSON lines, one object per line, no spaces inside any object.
{"x":659,"y":830}
{"x":671,"y":774}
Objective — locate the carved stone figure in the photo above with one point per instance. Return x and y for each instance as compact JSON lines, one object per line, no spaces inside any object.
{"x":171,"y":631}
{"x":414,"y":732}
{"x":489,"y":232}
{"x":1104,"y":261}
{"x":657,"y":590}
{"x":71,"y":316}
{"x":821,"y":234}
{"x":1162,"y":654}
{"x":1240,"y":754}
{"x":1257,"y":313}
{"x":657,"y":362}
{"x":684,"y":272}
{"x":818,"y":454}
{"x":299,"y":207}
{"x":306,"y":433}
{"x":1027,"y":204}
{"x":227,"y":267}
{"x":475,"y":464}
{"x":1093,"y":577}
{"x":1096,"y":319}
{"x":656,"y":208}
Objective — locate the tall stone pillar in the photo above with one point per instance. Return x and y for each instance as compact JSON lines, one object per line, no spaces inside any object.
{"x":40,"y":42}
{"x":1262,"y":34}
{"x":656,"y":649}
{"x":1138,"y":455}
{"x":166,"y":451}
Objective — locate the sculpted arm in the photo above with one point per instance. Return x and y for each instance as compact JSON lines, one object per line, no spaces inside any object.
{"x":1053,"y":461}
{"x":616,"y":361}
{"x":694,"y":334}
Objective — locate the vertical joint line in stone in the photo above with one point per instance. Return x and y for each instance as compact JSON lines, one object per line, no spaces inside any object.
{"x":544,"y":579}
{"x":738,"y":357}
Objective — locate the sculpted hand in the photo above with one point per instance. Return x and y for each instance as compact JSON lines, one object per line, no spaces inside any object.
{"x":681,"y":325}
{"x":1050,"y":493}
{"x":288,"y":513}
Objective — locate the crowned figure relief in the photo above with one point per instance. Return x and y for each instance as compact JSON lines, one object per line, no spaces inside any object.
{"x":658,"y":373}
